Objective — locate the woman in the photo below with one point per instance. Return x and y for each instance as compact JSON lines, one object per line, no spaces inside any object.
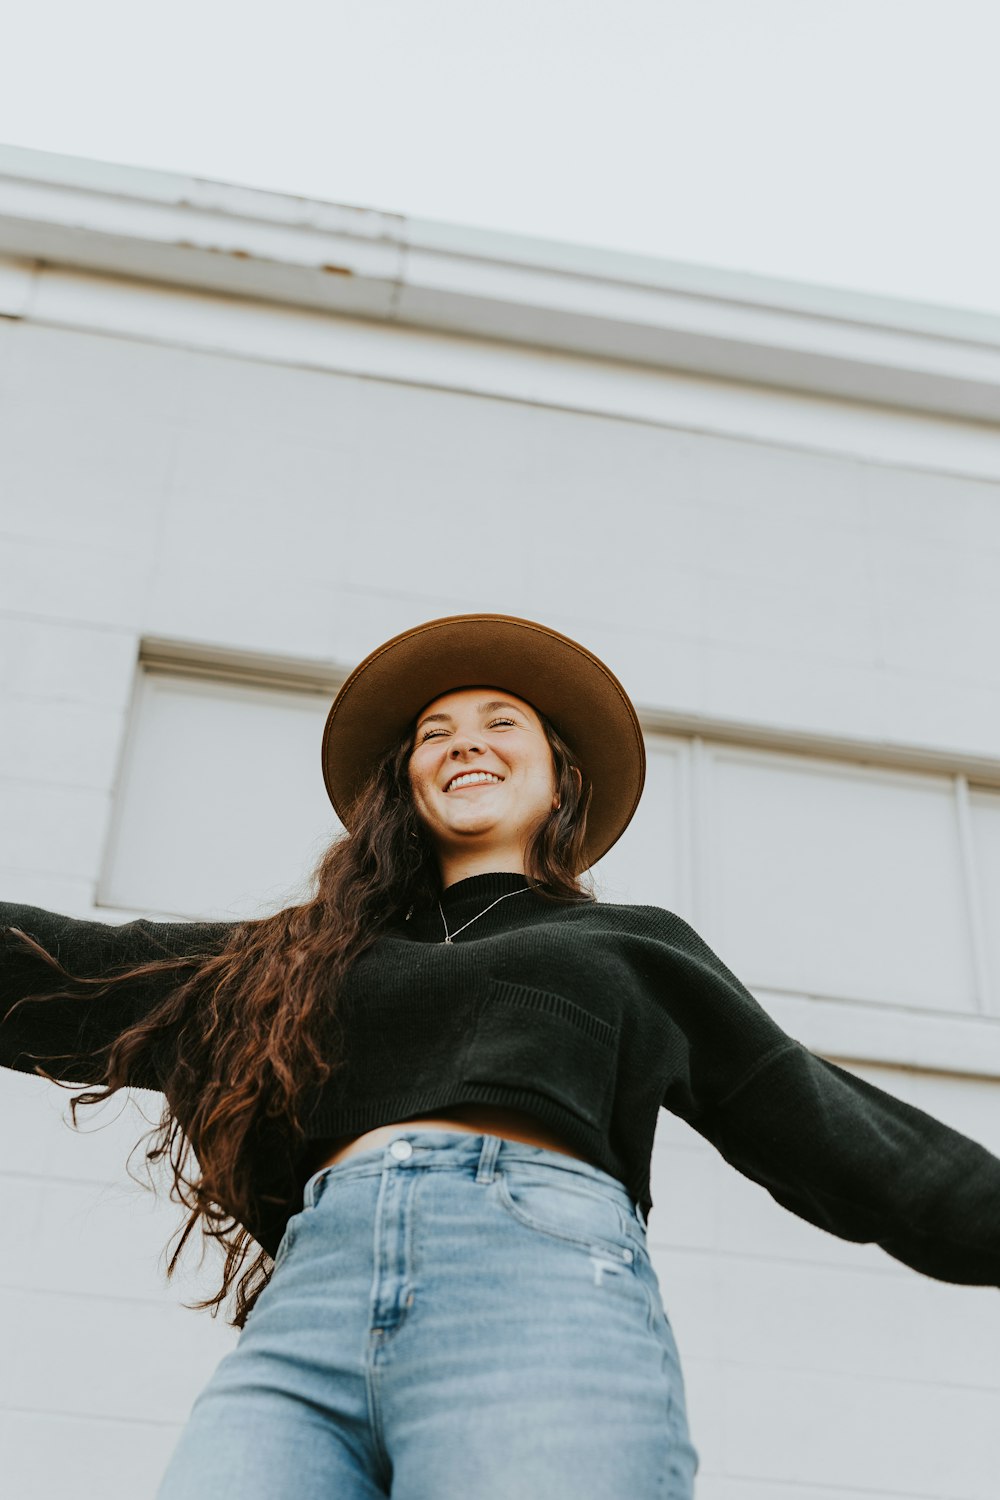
{"x":429,"y":1093}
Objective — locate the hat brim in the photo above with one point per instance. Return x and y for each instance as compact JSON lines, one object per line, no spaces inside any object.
{"x":572,"y":687}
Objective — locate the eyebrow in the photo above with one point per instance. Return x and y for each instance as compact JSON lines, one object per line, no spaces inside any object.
{"x":483,"y":708}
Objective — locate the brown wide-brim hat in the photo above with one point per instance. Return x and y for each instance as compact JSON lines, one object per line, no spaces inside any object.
{"x":578,"y":694}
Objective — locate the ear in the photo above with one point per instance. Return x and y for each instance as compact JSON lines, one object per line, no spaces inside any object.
{"x":579,"y":783}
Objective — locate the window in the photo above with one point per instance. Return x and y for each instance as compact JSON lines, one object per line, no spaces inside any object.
{"x":822,"y":877}
{"x":221,"y":810}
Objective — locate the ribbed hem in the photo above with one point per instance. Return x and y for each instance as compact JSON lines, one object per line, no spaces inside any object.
{"x":353,"y":1120}
{"x":332,"y":1121}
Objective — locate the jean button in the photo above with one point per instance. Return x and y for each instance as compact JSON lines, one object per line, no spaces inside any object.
{"x":401,"y":1150}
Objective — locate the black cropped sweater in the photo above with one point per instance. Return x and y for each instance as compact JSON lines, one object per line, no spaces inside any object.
{"x":592,"y":1017}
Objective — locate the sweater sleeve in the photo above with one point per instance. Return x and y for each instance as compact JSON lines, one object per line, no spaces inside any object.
{"x":61,"y":1034}
{"x":828,"y":1146}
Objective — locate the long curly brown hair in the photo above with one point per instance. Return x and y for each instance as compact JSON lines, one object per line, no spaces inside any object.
{"x":239,"y":1043}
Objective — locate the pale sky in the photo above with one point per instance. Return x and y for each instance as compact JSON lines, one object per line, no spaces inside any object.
{"x":846,"y":142}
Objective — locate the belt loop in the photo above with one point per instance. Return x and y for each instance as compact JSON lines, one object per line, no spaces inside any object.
{"x":640,"y":1215}
{"x":309,"y":1192}
{"x":486,"y":1170}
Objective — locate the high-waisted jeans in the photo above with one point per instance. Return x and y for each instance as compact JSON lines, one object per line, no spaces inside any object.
{"x":451,"y":1317}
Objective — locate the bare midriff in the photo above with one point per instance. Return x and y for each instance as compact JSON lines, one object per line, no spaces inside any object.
{"x":474,"y":1119}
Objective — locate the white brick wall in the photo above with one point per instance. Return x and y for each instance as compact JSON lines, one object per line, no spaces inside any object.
{"x":159,"y":491}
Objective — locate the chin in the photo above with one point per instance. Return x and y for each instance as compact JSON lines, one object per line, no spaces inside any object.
{"x":472,"y":825}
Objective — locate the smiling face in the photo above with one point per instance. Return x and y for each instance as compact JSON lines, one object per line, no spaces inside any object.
{"x":483,"y":778}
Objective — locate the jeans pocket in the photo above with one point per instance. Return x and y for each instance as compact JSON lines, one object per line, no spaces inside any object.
{"x":568,"y":1212}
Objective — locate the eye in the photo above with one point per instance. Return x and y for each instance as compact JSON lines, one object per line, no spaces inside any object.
{"x":429,"y":733}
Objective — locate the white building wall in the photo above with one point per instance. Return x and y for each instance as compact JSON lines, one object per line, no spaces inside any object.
{"x":823,"y":583}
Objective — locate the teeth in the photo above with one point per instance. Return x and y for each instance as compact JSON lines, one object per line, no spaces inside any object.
{"x":470,"y":778}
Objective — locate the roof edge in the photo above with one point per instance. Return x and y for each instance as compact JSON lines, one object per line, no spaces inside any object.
{"x":359,"y":261}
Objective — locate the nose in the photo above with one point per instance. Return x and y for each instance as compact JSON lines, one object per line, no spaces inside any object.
{"x":457,"y":748}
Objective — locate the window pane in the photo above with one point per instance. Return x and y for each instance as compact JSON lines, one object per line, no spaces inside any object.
{"x":222,"y":811}
{"x":647,"y":866}
{"x":839,"y":880}
{"x":985,"y":810}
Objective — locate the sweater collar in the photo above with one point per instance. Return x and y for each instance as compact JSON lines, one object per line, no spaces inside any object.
{"x":482,"y":888}
{"x":469,"y":898}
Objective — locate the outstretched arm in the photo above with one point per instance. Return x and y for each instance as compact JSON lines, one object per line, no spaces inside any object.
{"x":828,"y":1146}
{"x":69,"y":1029}
{"x":864,"y":1165}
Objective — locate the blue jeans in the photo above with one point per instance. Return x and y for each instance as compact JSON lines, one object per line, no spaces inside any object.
{"x":451,"y":1317}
